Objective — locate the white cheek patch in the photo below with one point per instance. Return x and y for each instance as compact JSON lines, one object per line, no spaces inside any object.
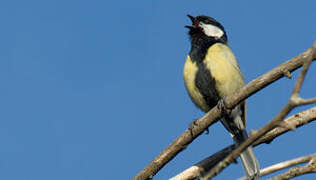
{"x":211,"y":30}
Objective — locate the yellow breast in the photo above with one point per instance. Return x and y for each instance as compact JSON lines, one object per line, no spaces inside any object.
{"x":189,"y":73}
{"x":224,"y":68}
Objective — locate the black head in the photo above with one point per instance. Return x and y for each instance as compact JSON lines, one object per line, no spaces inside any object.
{"x":206,"y":29}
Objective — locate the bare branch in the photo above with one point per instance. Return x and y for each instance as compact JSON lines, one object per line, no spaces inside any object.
{"x":293,"y":102}
{"x":297,"y":171}
{"x":296,"y":120}
{"x":283,"y":165}
{"x":214,"y":114}
{"x":307,"y":101}
{"x":205,"y":165}
{"x":300,"y":80}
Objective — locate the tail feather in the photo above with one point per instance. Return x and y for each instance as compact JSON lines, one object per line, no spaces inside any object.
{"x":248,"y":158}
{"x":235,"y":124}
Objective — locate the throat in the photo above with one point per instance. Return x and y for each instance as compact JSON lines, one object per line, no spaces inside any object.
{"x":199,"y":50}
{"x":200,"y":45}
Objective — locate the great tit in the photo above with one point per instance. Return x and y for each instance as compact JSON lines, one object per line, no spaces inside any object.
{"x":212,"y":73}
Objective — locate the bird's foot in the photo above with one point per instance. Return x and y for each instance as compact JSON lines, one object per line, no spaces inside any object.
{"x":207,"y":131}
{"x":222,"y":106}
{"x":191,"y":126}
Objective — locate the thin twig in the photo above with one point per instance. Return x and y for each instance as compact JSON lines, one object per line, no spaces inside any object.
{"x":213,"y":115}
{"x":283,"y":165}
{"x":307,"y":101}
{"x":301,"y":77}
{"x":296,"y":120}
{"x":297,"y":171}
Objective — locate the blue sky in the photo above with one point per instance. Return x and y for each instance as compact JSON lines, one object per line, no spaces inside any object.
{"x":94,"y":90}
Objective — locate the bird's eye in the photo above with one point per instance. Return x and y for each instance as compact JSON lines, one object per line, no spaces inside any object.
{"x":205,"y":20}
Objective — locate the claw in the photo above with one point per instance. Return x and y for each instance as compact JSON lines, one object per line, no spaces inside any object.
{"x":269,"y":141}
{"x":221,"y":106}
{"x":191,"y":126}
{"x":207,"y":131}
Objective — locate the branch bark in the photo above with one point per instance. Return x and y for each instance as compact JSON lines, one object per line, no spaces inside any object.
{"x":283,"y":165}
{"x":296,"y":120}
{"x":214,"y":114}
{"x":298,"y":171}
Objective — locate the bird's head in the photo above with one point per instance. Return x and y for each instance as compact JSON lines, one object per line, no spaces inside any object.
{"x":207,"y":28}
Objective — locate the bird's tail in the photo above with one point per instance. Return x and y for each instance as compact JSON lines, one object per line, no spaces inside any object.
{"x":248,"y":158}
{"x":235,"y":124}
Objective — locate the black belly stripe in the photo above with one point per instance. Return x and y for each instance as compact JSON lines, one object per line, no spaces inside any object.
{"x":203,"y":79}
{"x":206,"y":85}
{"x":204,"y":82}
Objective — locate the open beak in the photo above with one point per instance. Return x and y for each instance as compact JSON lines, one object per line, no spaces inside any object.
{"x":195,"y":23}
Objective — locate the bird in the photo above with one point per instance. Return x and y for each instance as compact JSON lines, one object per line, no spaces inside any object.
{"x":211,"y":73}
